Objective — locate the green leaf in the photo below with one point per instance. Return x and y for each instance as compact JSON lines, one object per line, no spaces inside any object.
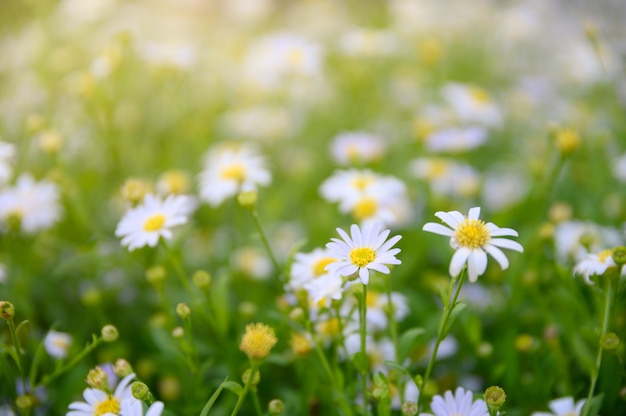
{"x":443,"y":292}
{"x":360,"y":361}
{"x":396,"y":366}
{"x":456,"y":310}
{"x":407,"y":342}
{"x":592,"y":407}
{"x":233,"y":386}
{"x":219,"y":299}
{"x":207,"y":407}
{"x":20,"y":326}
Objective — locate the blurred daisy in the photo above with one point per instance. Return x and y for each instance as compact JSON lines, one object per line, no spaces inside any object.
{"x":473,"y":239}
{"x":3,"y":273}
{"x":570,"y":235}
{"x":344,"y":185}
{"x":7,"y":154}
{"x":166,"y":55}
{"x":362,"y":251}
{"x":34,"y":204}
{"x":307,"y":267}
{"x":323,"y":290}
{"x":173,"y":181}
{"x":368,"y":42}
{"x":269,"y":123}
{"x":57,"y":344}
{"x":472,"y":104}
{"x":455,"y":139}
{"x":460,"y":404}
{"x":595,"y":264}
{"x":619,"y":168}
{"x":446,"y":177}
{"x":134,"y":407}
{"x":564,"y":406}
{"x":230,"y":170}
{"x":357,"y":147}
{"x":146,"y":223}
{"x":98,"y":402}
{"x":502,"y":190}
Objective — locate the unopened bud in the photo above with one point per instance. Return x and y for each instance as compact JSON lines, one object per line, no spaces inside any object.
{"x":122,"y":368}
{"x":619,"y":255}
{"x":26,"y":402}
{"x":567,"y":140}
{"x":156,"y":275}
{"x":248,"y":199}
{"x":109,"y":333}
{"x":245,"y":377}
{"x":409,"y":409}
{"x":495,"y":397}
{"x":7,"y":310}
{"x":183,"y":310}
{"x":609,"y":342}
{"x":201,"y":279}
{"x":140,"y":391}
{"x":97,"y":378}
{"x":276,"y":407}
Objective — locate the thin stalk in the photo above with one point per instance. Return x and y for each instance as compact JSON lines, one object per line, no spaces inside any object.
{"x":255,"y":400}
{"x":184,"y":280}
{"x":447,"y":310}
{"x":18,"y":352}
{"x":246,"y":388}
{"x":266,"y":243}
{"x":393,"y":331}
{"x":363,"y":332}
{"x":73,"y":362}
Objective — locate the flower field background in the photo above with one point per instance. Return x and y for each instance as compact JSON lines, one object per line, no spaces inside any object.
{"x":193,"y":190}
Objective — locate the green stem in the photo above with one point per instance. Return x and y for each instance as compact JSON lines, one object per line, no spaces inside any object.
{"x":255,"y":400}
{"x":89,"y":348}
{"x":608,"y":307}
{"x":193,"y":351}
{"x":363,"y":333}
{"x":266,"y":243}
{"x":393,"y":330}
{"x":178,"y":267}
{"x":447,"y":310}
{"x":246,"y":388}
{"x":18,"y":352}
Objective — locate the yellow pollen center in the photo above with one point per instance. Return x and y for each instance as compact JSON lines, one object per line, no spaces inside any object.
{"x":371,"y":299}
{"x":330,"y":327}
{"x":295,"y":56}
{"x":365,"y":208}
{"x":362,"y":256}
{"x":437,"y":169}
{"x":319,"y":268}
{"x":362,"y":182}
{"x":112,"y":405}
{"x":154,"y":223}
{"x":472,"y":234}
{"x":605,"y":254}
{"x":479,"y":95}
{"x":235,"y":171}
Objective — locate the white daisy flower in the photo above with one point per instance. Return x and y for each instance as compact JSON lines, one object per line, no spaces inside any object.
{"x":460,"y":404}
{"x":134,"y":407}
{"x":455,"y":139}
{"x":146,"y":223}
{"x":35,"y":204}
{"x":564,"y":406}
{"x":323,"y":290}
{"x":362,"y":251}
{"x":7,"y":156}
{"x":357,"y":146}
{"x":57,"y":344}
{"x":307,"y":267}
{"x":230,"y":170}
{"x":595,"y":264}
{"x":473,"y":239}
{"x":472,"y":104}
{"x":101,"y":403}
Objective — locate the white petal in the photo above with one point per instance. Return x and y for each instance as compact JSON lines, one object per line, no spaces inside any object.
{"x":496,"y":231}
{"x":504,"y":243}
{"x":474,"y":213}
{"x":379,"y":268}
{"x":364,"y":274}
{"x":433,"y":227}
{"x":355,"y":231}
{"x":345,"y":237}
{"x":447,"y":218}
{"x":498,"y":255}
{"x":459,"y":258}
{"x":477,"y":264}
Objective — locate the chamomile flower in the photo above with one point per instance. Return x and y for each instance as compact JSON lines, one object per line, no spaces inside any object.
{"x":357,"y":147}
{"x":323,"y":290}
{"x":134,"y":407}
{"x":230,"y":170}
{"x":472,"y":104}
{"x":146,"y":223}
{"x":564,"y":406}
{"x":473,"y":239}
{"x":455,"y":139}
{"x":100,"y":403}
{"x":460,"y":404}
{"x":595,"y":264}
{"x":307,"y":267}
{"x":57,"y":344}
{"x":362,"y":251}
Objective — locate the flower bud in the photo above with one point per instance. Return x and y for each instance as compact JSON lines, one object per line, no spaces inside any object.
{"x":276,"y":407}
{"x":248,"y":200}
{"x":26,"y":402}
{"x":409,"y":409}
{"x":183,"y":310}
{"x":156,"y":275}
{"x":610,"y":341}
{"x":245,"y":377}
{"x":257,"y":341}
{"x":7,"y":310}
{"x":97,"y":378}
{"x":619,"y":255}
{"x":495,"y":397}
{"x":201,"y":279}
{"x":109,"y":333}
{"x":567,"y":140}
{"x":140,"y":391}
{"x":122,"y":368}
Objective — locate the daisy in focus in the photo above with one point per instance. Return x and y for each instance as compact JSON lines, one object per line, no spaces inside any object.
{"x":362,"y":251}
{"x":472,"y":239}
{"x":460,"y":404}
{"x":146,"y":223}
{"x":230,"y":170}
{"x":134,"y":407}
{"x":564,"y":406}
{"x":100,"y":402}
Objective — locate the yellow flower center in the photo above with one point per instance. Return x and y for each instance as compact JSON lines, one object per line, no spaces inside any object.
{"x":362,"y":256}
{"x":605,"y":254}
{"x":365,"y":208}
{"x":295,"y":56}
{"x":479,"y":95}
{"x":472,"y":234}
{"x":235,"y":171}
{"x":154,"y":223}
{"x":112,"y":405}
{"x":437,"y":168}
{"x":371,"y":300}
{"x":319,"y":268}
{"x":330,"y":327}
{"x":362,"y":182}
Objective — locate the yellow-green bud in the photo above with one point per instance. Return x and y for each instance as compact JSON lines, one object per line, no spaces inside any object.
{"x":156,"y":275}
{"x":619,"y":255}
{"x":587,"y":240}
{"x":183,"y":310}
{"x":495,"y":397}
{"x":297,"y":315}
{"x":567,"y":140}
{"x":409,"y":409}
{"x":122,"y":368}
{"x":248,"y":199}
{"x":97,"y":378}
{"x":109,"y":333}
{"x":276,"y":407}
{"x":201,"y":279}
{"x":26,"y":402}
{"x":7,"y":310}
{"x":140,"y":391}
{"x":245,"y":377}
{"x":610,"y":341}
